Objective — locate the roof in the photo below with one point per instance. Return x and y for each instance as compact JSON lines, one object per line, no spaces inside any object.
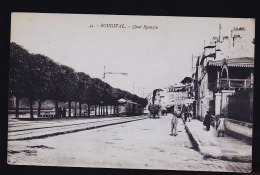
{"x":126,"y":101}
{"x":234,"y":62}
{"x":177,"y":85}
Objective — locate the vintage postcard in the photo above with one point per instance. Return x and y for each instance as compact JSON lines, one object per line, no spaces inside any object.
{"x":131,"y":92}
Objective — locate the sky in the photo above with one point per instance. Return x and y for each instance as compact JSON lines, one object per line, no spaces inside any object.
{"x":152,"y":58}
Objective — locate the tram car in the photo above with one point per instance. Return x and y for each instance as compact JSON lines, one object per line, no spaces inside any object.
{"x":129,"y":108}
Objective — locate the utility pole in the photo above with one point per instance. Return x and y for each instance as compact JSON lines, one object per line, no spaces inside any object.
{"x":192,"y":66}
{"x":192,"y":63}
{"x":134,"y":87}
{"x":139,"y":88}
{"x":104,"y":74}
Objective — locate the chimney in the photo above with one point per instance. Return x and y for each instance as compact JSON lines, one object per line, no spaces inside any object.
{"x":220,"y":32}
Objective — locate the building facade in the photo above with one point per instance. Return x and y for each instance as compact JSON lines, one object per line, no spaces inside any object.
{"x":226,"y":66}
{"x":177,"y":95}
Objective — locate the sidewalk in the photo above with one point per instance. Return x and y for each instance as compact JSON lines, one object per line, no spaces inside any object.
{"x":224,"y":148}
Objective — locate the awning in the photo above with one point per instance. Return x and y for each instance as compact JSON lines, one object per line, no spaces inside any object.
{"x":234,"y":62}
{"x":188,"y":101}
{"x":207,"y":47}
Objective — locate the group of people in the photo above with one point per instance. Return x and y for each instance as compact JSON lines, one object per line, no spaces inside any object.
{"x":220,"y":127}
{"x":187,"y":113}
{"x":220,"y":123}
{"x":61,"y":112}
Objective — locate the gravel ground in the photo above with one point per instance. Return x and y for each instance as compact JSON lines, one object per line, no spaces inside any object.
{"x":143,"y":144}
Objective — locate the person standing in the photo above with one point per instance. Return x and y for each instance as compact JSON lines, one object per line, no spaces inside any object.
{"x":186,"y":116}
{"x":190,"y":115}
{"x":221,"y":125}
{"x":207,"y":121}
{"x":174,"y":123}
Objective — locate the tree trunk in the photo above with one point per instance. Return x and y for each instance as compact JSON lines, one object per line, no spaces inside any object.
{"x":39,"y":107}
{"x":95,"y":110}
{"x":89,"y":110}
{"x":75,"y":109}
{"x":31,"y":108}
{"x":107,"y":110}
{"x":56,"y":109}
{"x":114,"y":108}
{"x":99,"y":110}
{"x":79,"y":108}
{"x":69,"y":108}
{"x":17,"y":107}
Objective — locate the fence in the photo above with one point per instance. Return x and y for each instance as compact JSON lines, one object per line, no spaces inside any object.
{"x":240,"y":106}
{"x":235,"y":83}
{"x":230,"y":84}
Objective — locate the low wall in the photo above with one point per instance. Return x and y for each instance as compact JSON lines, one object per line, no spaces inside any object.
{"x":239,"y":130}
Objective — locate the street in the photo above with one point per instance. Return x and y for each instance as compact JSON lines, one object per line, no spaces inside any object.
{"x":139,"y":144}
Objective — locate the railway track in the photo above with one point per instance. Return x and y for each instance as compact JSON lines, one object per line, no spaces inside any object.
{"x":28,"y":130}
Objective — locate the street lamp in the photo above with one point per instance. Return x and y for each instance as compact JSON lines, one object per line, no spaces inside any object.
{"x":134,"y":87}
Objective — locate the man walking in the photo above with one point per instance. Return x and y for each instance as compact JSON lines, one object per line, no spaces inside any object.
{"x":186,"y":113}
{"x":207,"y":121}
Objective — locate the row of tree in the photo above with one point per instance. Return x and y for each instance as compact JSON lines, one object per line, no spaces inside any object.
{"x":39,"y":78}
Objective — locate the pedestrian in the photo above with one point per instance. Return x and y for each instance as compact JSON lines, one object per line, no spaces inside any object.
{"x":186,"y":116}
{"x":64,"y":112}
{"x":190,"y":115}
{"x":221,"y":125}
{"x":184,"y":111}
{"x":207,"y":121}
{"x":174,"y":123}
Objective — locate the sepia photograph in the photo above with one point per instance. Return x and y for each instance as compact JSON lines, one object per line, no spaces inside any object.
{"x":131,"y":92}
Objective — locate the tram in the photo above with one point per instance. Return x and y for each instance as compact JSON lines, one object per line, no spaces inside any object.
{"x":129,"y":108}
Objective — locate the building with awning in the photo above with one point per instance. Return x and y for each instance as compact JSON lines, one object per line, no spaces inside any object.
{"x":231,"y":74}
{"x":216,"y":79}
{"x":224,"y":81}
